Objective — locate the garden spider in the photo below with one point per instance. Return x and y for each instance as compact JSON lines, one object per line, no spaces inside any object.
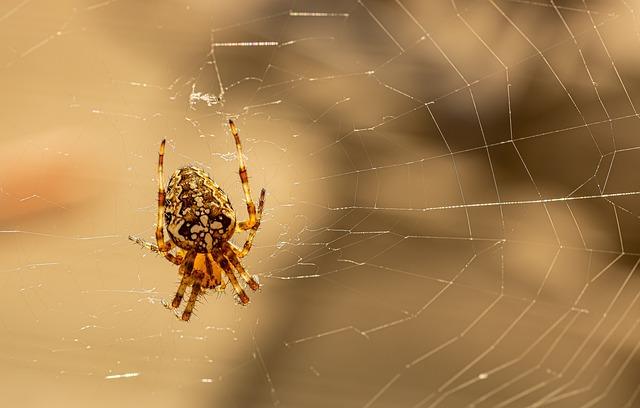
{"x":200,"y":222}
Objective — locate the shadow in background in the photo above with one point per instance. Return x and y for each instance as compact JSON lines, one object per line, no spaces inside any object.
{"x":451,"y":216}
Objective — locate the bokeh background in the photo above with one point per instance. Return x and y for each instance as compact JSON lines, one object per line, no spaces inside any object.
{"x":451,"y":218}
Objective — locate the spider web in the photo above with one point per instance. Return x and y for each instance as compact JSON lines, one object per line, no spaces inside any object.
{"x":451,"y":218}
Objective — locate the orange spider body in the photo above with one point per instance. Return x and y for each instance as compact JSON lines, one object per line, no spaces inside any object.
{"x":200,"y":221}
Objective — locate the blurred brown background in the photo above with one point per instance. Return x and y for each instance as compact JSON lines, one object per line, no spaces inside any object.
{"x":451,"y":219}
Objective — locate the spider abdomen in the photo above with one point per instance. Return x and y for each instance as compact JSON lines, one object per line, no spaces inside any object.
{"x":198,"y":213}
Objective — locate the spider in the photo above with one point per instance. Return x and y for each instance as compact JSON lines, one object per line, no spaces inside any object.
{"x":200,"y":222}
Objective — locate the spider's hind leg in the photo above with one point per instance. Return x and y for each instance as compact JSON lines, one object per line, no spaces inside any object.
{"x":241,"y":252}
{"x":161,"y":198}
{"x":244,"y":179}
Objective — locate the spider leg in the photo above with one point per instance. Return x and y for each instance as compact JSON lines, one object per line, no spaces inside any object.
{"x":195,"y":291}
{"x":241,"y":252}
{"x":162,"y":247}
{"x":186,"y":270}
{"x":226,"y":267}
{"x":148,"y":245}
{"x":184,"y":282}
{"x":233,"y":258}
{"x":175,"y":259}
{"x":244,"y":178}
{"x":214,"y":273}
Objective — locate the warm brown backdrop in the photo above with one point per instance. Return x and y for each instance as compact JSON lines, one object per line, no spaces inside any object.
{"x":407,"y":254}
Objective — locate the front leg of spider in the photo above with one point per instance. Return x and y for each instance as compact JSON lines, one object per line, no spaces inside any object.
{"x":200,"y":221}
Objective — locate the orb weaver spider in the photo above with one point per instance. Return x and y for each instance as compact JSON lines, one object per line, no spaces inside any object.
{"x":200,"y":222}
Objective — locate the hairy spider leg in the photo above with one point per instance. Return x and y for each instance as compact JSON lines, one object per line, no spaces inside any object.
{"x":226,"y":267}
{"x":144,"y":244}
{"x":186,"y":270}
{"x":241,"y":252}
{"x":195,"y":291}
{"x":244,"y":178}
{"x":213,"y":272}
{"x":231,"y":256}
{"x":161,"y":197}
{"x":161,"y":246}
{"x":175,"y":259}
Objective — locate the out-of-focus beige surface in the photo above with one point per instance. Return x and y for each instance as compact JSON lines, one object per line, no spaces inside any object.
{"x":451,"y":219}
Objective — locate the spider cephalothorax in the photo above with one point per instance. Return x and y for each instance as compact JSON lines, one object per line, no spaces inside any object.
{"x":200,"y":221}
